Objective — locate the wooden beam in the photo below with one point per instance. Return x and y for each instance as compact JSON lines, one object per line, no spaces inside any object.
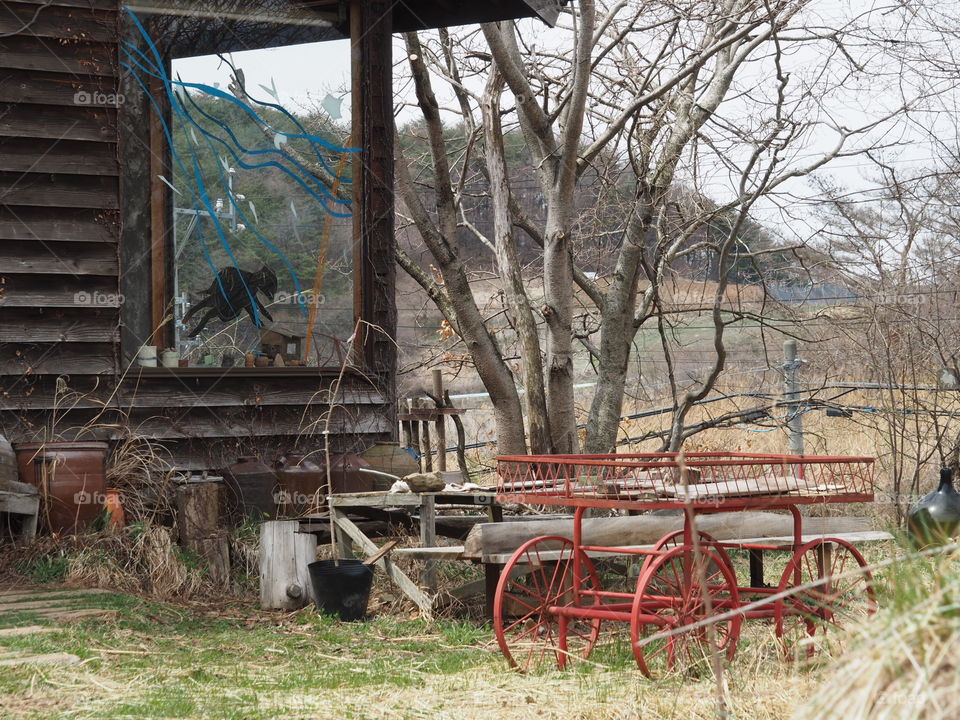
{"x":371,"y":25}
{"x":160,"y":279}
{"x":409,"y":588}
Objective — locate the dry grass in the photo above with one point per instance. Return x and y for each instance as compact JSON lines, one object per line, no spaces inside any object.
{"x":903,"y":664}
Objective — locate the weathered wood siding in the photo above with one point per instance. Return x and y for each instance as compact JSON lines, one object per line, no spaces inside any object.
{"x":75,"y":215}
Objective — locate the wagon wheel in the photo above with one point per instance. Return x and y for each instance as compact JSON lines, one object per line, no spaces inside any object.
{"x":671,"y":595}
{"x":803,"y":614}
{"x":675,"y":539}
{"x":533,"y":580}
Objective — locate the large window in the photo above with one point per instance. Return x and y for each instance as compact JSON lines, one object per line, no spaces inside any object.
{"x":257,"y":180}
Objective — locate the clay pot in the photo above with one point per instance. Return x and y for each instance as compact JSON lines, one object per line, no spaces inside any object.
{"x":114,"y":507}
{"x":389,"y":457}
{"x":71,"y":480}
{"x":252,"y":488}
{"x":935,"y":519}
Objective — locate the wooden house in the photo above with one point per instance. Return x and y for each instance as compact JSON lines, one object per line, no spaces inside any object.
{"x":85,"y":220}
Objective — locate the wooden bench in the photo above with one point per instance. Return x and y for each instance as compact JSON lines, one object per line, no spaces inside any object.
{"x":19,"y":498}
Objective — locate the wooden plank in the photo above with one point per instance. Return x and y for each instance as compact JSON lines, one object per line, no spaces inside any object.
{"x":46,"y":190}
{"x":47,"y":155}
{"x":69,"y":122}
{"x":82,"y":292}
{"x":172,"y":393}
{"x":58,"y":359}
{"x":32,"y":257}
{"x":60,"y":615}
{"x":42,"y":88}
{"x":409,"y":588}
{"x":9,"y":607}
{"x":782,"y":542}
{"x":504,"y":538}
{"x":98,"y":4}
{"x":374,"y":237}
{"x":231,"y":423}
{"x":43,"y":659}
{"x":51,"y":325}
{"x":28,"y":630}
{"x":11,"y":595}
{"x":161,"y":279}
{"x":444,"y":552}
{"x":63,"y":225}
{"x":68,"y":23}
{"x":428,"y":538}
{"x":79,"y":58}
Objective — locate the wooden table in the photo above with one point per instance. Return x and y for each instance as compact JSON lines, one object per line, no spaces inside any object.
{"x":346,"y":532}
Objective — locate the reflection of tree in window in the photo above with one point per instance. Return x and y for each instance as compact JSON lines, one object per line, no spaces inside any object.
{"x":254,"y":187}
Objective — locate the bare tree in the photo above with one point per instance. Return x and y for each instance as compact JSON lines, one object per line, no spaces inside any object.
{"x":651,"y":103}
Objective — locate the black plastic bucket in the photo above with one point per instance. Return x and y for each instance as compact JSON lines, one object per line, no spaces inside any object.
{"x":342,"y":590}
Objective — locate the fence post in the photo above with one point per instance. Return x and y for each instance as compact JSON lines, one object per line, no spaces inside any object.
{"x":791,"y":394}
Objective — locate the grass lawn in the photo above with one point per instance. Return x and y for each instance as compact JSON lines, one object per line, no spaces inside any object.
{"x":168,"y":661}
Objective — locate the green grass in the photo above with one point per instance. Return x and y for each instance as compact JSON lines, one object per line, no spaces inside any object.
{"x":172,"y":662}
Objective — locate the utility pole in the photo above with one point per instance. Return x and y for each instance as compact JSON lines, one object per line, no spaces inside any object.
{"x":791,"y":394}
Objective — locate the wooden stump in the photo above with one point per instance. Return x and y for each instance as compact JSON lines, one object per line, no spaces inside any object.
{"x":198,"y":516}
{"x":284,"y":556}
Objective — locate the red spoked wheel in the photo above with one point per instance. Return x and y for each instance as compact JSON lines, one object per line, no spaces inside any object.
{"x":675,"y":539}
{"x":677,"y":589}
{"x":540,"y":576}
{"x":840,"y":599}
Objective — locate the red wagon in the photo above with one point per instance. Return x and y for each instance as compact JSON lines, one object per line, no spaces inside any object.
{"x":550,"y":602}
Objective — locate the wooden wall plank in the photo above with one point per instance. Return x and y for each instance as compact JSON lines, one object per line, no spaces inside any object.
{"x":254,"y":426}
{"x":71,"y":122}
{"x":42,"y":88}
{"x":42,"y":155}
{"x":38,"y":392}
{"x":71,"y":23}
{"x":67,"y":225}
{"x":39,"y":55}
{"x":45,"y":190}
{"x":57,"y":359}
{"x":49,"y":325}
{"x":97,"y":4}
{"x":37,"y":257}
{"x":68,"y":291}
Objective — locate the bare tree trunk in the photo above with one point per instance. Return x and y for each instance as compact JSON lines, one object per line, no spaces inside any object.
{"x":511,"y":271}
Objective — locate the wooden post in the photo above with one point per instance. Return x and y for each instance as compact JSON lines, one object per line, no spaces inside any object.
{"x":415,"y":435}
{"x":428,"y":538}
{"x":284,"y":556}
{"x":441,"y":421}
{"x":426,"y":449}
{"x":342,"y":542}
{"x":198,"y":515}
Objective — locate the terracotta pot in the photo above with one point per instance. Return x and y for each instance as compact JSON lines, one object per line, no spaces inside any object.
{"x":71,"y":479}
{"x":114,"y":507}
{"x":252,"y":488}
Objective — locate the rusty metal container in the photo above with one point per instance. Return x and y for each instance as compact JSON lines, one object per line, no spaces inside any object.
{"x":252,"y":488}
{"x":71,"y":477}
{"x":303,"y":479}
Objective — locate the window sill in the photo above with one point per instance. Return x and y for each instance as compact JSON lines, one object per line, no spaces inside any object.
{"x":261,"y":372}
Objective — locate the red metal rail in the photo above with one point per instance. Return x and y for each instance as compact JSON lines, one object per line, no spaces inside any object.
{"x":703,"y":480}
